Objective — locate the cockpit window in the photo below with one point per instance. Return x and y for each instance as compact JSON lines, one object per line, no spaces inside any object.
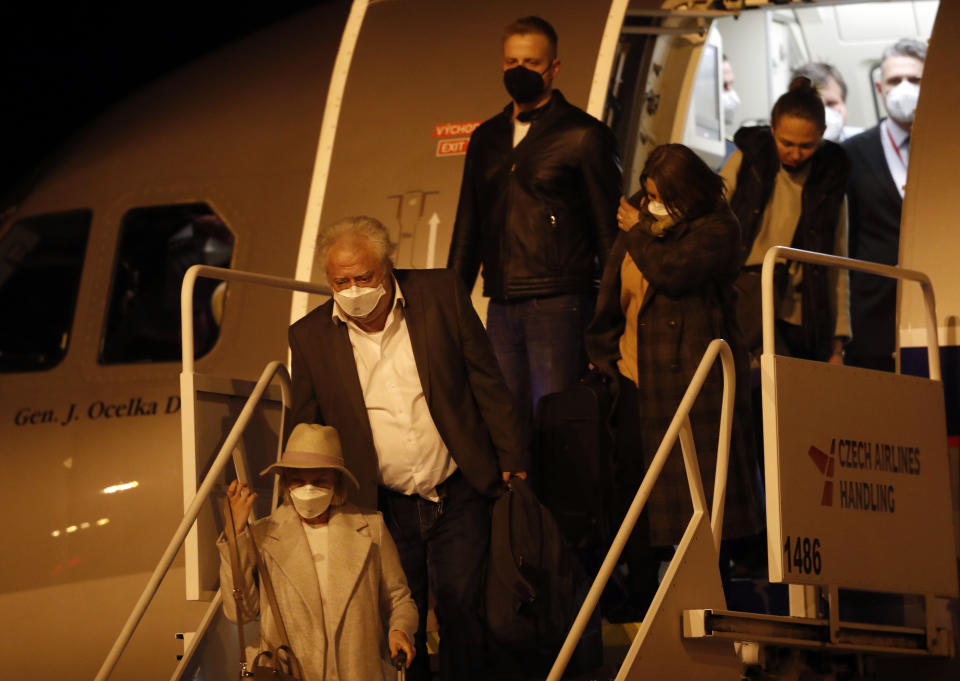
{"x":157,"y":246}
{"x":41,"y":259}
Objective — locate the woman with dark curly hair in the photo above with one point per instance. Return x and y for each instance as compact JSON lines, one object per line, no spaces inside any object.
{"x":667,"y":292}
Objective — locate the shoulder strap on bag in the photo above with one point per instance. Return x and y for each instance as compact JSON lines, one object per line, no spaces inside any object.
{"x":501,"y":550}
{"x":231,"y":533}
{"x":292,"y":663}
{"x":268,"y":588}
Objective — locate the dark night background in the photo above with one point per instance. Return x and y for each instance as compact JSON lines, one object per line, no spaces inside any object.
{"x":65,"y":64}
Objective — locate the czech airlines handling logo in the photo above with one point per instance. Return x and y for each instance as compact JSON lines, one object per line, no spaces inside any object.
{"x":825,"y":463}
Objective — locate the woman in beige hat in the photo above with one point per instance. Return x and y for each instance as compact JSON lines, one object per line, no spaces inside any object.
{"x":341,"y":592}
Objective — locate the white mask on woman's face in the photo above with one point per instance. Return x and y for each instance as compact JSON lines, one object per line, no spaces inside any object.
{"x":834,"y":120}
{"x":901,"y":101}
{"x":359,"y":302}
{"x":310,"y":500}
{"x":657,"y":209}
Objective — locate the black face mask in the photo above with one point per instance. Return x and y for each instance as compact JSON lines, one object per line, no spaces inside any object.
{"x":523,"y":85}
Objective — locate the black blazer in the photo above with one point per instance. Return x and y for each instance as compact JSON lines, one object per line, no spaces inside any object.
{"x":467,"y":397}
{"x":875,"y":205}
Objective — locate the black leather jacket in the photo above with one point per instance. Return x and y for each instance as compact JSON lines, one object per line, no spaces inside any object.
{"x":540,"y":217}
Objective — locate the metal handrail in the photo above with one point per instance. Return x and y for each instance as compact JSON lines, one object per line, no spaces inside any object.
{"x":801,"y":596}
{"x":197,"y":639}
{"x":225,"y":454}
{"x":679,"y":429}
{"x":273,"y":369}
{"x":889,"y":271}
{"x":225,"y":274}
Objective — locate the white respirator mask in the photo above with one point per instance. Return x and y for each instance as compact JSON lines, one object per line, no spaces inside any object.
{"x":901,"y":101}
{"x":834,"y":120}
{"x":657,"y":209}
{"x":359,"y":302}
{"x":310,"y":500}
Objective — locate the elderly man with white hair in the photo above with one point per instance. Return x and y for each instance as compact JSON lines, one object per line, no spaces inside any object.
{"x":399,"y":363}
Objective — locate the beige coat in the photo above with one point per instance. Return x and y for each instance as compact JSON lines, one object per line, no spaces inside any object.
{"x":341,"y":635}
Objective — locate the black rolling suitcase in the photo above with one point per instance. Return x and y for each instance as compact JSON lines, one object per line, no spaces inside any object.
{"x":572,"y":449}
{"x":572,"y":471}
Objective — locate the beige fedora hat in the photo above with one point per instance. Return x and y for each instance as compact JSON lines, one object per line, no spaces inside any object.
{"x":312,"y":446}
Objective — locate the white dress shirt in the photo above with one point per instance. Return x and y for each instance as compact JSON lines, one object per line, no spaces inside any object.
{"x":897,"y":156}
{"x":412,"y":456}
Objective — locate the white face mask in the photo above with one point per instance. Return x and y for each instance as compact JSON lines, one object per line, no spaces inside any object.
{"x":834,"y":120}
{"x":657,"y":209}
{"x":359,"y":302}
{"x":901,"y":101}
{"x":731,"y":102}
{"x":310,"y":500}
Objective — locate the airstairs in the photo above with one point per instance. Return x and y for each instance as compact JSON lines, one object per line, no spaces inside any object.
{"x":858,"y":497}
{"x":253,"y":416}
{"x":838,"y":517}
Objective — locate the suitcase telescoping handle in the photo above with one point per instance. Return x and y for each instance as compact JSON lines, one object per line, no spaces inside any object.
{"x":400,"y":663}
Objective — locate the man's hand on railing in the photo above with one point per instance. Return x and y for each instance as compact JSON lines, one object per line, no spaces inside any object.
{"x":241,"y":502}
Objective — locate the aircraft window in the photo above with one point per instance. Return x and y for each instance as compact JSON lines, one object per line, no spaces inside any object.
{"x":41,"y":260}
{"x":157,"y":246}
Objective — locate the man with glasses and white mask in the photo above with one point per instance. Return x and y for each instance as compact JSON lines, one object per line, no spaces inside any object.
{"x":399,"y":363}
{"x":878,"y":177}
{"x":833,"y":91}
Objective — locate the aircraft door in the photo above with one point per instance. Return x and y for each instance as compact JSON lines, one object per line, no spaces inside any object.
{"x":704,"y":130}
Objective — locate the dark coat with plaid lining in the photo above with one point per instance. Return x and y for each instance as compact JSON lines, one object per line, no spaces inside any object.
{"x":690,"y":301}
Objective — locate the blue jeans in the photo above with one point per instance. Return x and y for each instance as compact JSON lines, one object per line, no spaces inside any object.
{"x":443,"y":547}
{"x":539,"y":345}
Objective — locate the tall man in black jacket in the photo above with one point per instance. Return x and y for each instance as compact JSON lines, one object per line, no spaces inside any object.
{"x":537,"y":209}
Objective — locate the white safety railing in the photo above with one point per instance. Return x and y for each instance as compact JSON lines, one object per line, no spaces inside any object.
{"x":805,"y":599}
{"x":223,"y":456}
{"x":188,"y":377}
{"x":197,"y":638}
{"x":272,"y":370}
{"x":224,"y":274}
{"x":679,"y":429}
{"x":785,"y":253}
